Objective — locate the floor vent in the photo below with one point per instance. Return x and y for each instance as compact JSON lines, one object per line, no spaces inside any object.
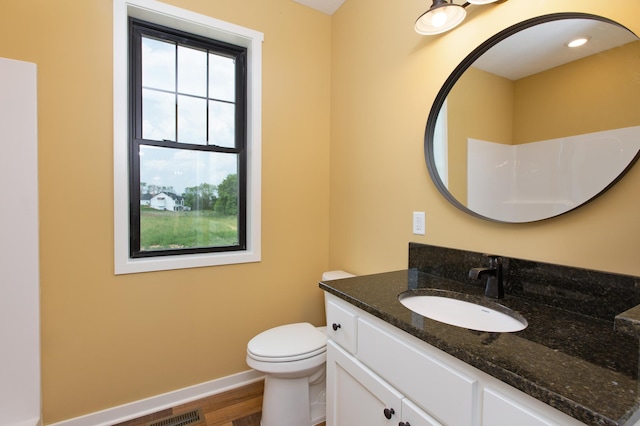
{"x":194,"y":417}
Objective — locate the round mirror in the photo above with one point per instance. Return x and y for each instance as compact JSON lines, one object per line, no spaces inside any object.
{"x":528,"y":127}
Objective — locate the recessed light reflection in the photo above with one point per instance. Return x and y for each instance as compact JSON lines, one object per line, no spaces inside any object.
{"x":580,"y":41}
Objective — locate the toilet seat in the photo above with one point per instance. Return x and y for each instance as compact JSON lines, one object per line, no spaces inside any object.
{"x":286,"y":343}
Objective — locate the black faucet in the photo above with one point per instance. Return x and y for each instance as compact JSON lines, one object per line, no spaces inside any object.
{"x":494,"y":287}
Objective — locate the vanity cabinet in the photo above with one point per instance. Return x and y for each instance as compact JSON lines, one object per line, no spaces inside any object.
{"x":375,"y":371}
{"x":358,"y":396}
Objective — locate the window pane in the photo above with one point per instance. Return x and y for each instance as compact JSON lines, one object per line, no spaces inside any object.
{"x":158,"y":115}
{"x":222,"y":124}
{"x":192,"y":71}
{"x":192,"y":120}
{"x":222,"y":80}
{"x":188,"y":199}
{"x":158,"y":64}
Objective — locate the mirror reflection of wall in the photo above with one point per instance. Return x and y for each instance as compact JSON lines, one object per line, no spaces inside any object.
{"x":527,"y":148}
{"x":440,"y":146}
{"x":481,"y":106}
{"x":590,"y":95}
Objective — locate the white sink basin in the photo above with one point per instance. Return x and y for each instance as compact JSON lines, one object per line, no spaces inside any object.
{"x":450,"y":310}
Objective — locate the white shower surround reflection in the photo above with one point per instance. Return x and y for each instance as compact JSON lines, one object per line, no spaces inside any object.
{"x":522,"y":183}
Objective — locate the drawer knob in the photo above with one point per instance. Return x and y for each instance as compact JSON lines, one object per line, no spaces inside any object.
{"x":335,"y":326}
{"x":388,"y":412}
{"x":404,"y":424}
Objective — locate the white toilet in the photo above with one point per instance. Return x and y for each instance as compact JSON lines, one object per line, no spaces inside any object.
{"x":293,"y":359}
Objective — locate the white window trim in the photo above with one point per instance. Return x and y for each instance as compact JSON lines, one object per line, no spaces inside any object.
{"x":174,"y":17}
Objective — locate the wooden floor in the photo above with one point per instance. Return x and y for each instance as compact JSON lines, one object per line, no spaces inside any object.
{"x":237,"y":407}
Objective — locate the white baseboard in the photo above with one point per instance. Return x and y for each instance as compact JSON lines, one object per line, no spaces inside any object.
{"x":154,"y":404}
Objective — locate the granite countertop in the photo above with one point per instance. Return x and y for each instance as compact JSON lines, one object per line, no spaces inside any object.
{"x":576,"y":363}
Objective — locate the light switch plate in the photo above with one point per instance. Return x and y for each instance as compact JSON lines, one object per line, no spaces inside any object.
{"x":418,"y":223}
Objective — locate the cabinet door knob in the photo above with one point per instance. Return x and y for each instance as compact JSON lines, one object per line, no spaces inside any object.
{"x":388,"y":412}
{"x":404,"y":424}
{"x":335,"y":326}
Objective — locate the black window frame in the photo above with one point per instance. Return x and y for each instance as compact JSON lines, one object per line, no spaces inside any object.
{"x":137,"y":29}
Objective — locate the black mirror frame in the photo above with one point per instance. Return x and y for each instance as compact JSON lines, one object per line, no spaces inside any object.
{"x":455,"y":76}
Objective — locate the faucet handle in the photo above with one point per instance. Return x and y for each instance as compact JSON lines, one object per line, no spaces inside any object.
{"x":495,"y":288}
{"x":494,"y":260}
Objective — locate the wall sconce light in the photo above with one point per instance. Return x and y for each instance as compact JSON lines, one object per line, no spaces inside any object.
{"x":444,"y":15}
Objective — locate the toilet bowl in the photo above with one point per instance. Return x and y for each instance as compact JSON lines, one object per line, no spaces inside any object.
{"x":293,"y":359}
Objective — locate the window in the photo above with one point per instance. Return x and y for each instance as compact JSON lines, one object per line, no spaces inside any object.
{"x":187,"y":146}
{"x":186,"y":139}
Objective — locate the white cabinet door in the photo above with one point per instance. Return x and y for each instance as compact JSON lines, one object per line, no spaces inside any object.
{"x":355,"y":395}
{"x":412,"y":415}
{"x":500,"y":410}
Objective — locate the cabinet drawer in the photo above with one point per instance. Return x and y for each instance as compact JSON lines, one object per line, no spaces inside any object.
{"x":500,"y":410}
{"x":443,"y":392}
{"x":341,"y":324}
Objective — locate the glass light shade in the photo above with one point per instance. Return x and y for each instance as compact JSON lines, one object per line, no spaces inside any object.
{"x":481,"y":1}
{"x":441,"y":17}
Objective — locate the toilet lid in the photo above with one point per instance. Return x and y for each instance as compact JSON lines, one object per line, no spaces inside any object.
{"x":288,"y":342}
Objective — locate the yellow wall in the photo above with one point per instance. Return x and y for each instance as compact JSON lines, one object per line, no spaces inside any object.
{"x":385,"y":79}
{"x":345,"y":104}
{"x":109,"y":340}
{"x":607,"y":83}
{"x":479,"y":106}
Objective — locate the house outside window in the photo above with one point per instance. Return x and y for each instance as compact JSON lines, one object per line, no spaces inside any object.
{"x":189,"y":145}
